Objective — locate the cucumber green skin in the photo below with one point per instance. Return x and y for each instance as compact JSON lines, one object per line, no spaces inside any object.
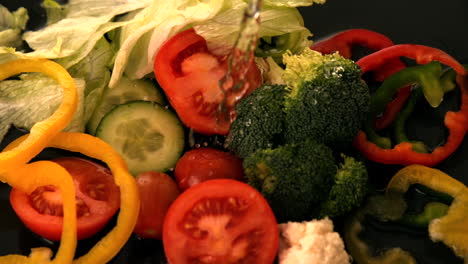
{"x":147,"y":135}
{"x":125,"y":91}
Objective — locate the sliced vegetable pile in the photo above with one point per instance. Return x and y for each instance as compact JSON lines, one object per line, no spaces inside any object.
{"x":224,"y":163}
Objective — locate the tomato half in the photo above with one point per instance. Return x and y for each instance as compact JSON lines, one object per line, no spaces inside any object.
{"x":220,"y":221}
{"x":97,"y":196}
{"x":157,"y":192}
{"x":198,"y":165}
{"x":189,"y":75}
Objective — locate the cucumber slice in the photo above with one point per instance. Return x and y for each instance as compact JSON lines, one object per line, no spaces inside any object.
{"x":147,"y":135}
{"x":125,"y":91}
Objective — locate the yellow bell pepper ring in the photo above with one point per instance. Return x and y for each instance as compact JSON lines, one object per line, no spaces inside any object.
{"x":452,"y":228}
{"x":27,"y":178}
{"x":95,"y":148}
{"x":360,"y":251}
{"x":448,"y":223}
{"x":42,"y":131}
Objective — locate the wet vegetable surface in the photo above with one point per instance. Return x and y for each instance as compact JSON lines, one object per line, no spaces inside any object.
{"x":426,"y":22}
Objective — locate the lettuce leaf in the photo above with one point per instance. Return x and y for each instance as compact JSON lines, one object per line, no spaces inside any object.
{"x":12,"y":25}
{"x":22,"y":107}
{"x":76,"y":32}
{"x":84,"y":24}
{"x":95,"y":70}
{"x":33,"y":98}
{"x":54,"y":11}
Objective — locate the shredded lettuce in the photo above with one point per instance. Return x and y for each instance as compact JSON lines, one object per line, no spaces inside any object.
{"x":75,"y":38}
{"x":12,"y":25}
{"x":84,"y":24}
{"x":95,"y":70}
{"x":33,"y":98}
{"x":54,"y":11}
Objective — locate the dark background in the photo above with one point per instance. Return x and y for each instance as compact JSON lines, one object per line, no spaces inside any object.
{"x":440,"y":24}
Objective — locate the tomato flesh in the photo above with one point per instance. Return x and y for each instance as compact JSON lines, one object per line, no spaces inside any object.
{"x":97,"y":200}
{"x":189,"y":75}
{"x":157,"y":192}
{"x":47,"y":200}
{"x":220,"y":221}
{"x":198,"y":165}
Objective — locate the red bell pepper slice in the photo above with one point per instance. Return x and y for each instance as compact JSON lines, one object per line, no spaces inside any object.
{"x":420,"y":53}
{"x":456,"y":122}
{"x":376,"y":63}
{"x":344,"y":41}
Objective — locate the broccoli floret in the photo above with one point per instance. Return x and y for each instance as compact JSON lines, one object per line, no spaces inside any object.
{"x":302,"y":181}
{"x":323,"y":98}
{"x":287,"y":135}
{"x":349,"y":188}
{"x":260,"y":121}
{"x":328,"y":100}
{"x":294,"y":178}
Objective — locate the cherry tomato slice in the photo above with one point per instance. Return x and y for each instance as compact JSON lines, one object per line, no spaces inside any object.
{"x":220,"y":221}
{"x":97,"y":196}
{"x":198,"y":165}
{"x":157,"y":192}
{"x":189,"y":75}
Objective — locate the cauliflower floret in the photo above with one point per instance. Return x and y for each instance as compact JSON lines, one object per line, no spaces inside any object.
{"x":311,"y":242}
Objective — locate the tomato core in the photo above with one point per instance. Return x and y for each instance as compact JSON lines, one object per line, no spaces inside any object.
{"x":213,"y":220}
{"x":48,"y":200}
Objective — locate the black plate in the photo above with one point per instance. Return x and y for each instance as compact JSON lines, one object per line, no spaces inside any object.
{"x":428,"y":22}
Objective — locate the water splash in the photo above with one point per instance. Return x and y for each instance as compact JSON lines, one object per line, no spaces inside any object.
{"x":239,"y":59}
